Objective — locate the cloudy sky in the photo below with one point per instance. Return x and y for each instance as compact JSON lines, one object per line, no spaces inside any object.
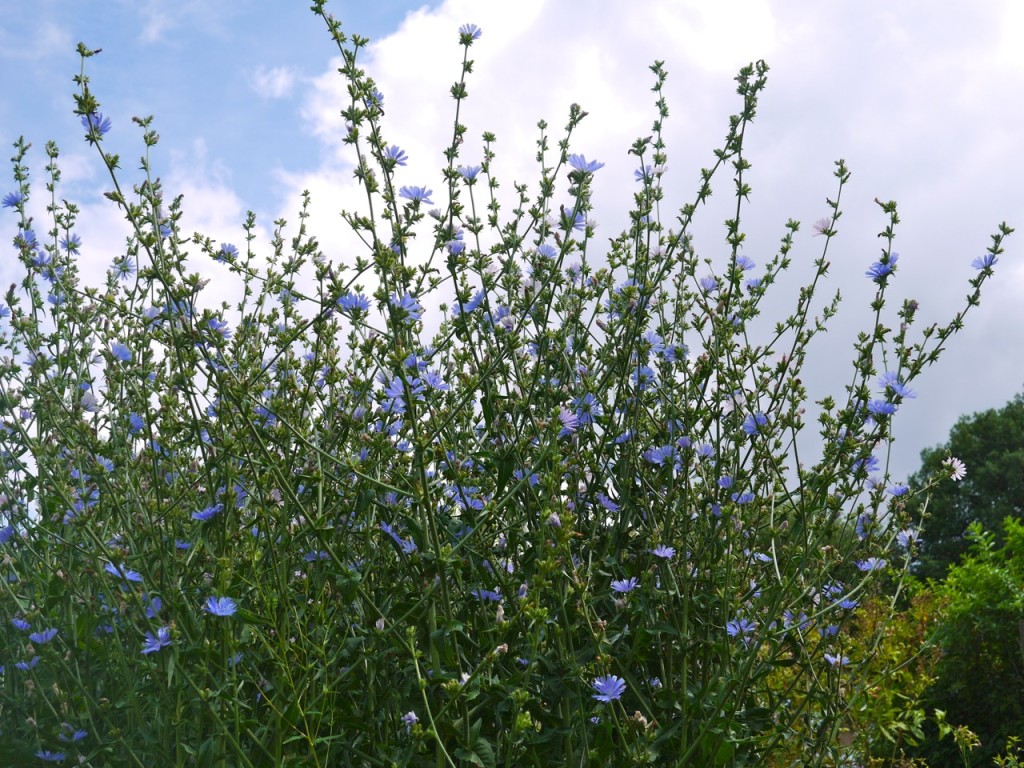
{"x":924,"y":104}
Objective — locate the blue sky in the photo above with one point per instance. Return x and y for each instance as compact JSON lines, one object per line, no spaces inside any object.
{"x":227,"y":76}
{"x":920,"y":100}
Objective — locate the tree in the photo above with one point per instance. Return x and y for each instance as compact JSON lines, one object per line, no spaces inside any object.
{"x":980,"y":675}
{"x":991,"y":444}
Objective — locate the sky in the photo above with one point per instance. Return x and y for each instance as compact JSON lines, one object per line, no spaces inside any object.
{"x":921,"y":100}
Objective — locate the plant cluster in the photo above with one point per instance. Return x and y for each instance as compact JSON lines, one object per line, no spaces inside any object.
{"x":570,"y":527}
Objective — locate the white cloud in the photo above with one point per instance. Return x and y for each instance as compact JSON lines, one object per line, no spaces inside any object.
{"x":272,"y":82}
{"x":913,"y":99}
{"x":159,"y":17}
{"x":43,"y":39}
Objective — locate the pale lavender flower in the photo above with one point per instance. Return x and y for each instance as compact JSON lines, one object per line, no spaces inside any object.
{"x":664,"y":552}
{"x":409,"y":719}
{"x":822,"y":226}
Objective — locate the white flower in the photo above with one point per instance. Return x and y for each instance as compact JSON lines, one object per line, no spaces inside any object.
{"x":957,"y":469}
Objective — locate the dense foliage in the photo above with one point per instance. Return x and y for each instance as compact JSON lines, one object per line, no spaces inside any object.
{"x":979,"y":680}
{"x":991,"y":444}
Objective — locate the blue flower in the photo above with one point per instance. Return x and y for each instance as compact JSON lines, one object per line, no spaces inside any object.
{"x":69,"y":734}
{"x":227,"y":252}
{"x":41,"y":638}
{"x":609,"y":688}
{"x":745,"y":263}
{"x":470,"y":306}
{"x":643,"y":377}
{"x":50,"y":757}
{"x":417,"y":194}
{"x":412,"y":308}
{"x":871,"y":564}
{"x":664,"y":552}
{"x":705,"y":450}
{"x":220,"y":326}
{"x":469,"y":32}
{"x":982,"y":262}
{"x":708,"y":284}
{"x":162,"y":637}
{"x":580,"y":163}
{"x":354,"y":302}
{"x":208,"y":512}
{"x":486,"y":594}
{"x":123,"y":573}
{"x":570,"y":422}
{"x":907,"y":538}
{"x":28,"y":238}
{"x":753,"y":423}
{"x":124,"y":267}
{"x":900,"y":489}
{"x":96,"y":122}
{"x":623,"y":586}
{"x":469,"y":173}
{"x":881,"y":408}
{"x":433,"y":380}
{"x":20,"y":624}
{"x":12,"y":199}
{"x":220,"y":606}
{"x":408,"y":546}
{"x":658,"y":455}
{"x":121,"y":352}
{"x":24,"y":666}
{"x":880,"y":269}
{"x":891,"y":380}
{"x":136,"y":423}
{"x":743,"y":498}
{"x":396,"y":154}
{"x":741,"y":628}
{"x":155,"y":604}
{"x":71,"y":244}
{"x":573,"y":220}
{"x":837,"y":661}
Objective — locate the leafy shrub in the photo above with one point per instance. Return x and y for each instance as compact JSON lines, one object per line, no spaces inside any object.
{"x":569,"y":527}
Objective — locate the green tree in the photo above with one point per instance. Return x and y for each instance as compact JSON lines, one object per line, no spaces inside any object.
{"x":980,"y":675}
{"x":991,"y":445}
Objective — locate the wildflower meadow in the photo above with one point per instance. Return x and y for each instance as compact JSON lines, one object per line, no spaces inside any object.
{"x":594,"y":518}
